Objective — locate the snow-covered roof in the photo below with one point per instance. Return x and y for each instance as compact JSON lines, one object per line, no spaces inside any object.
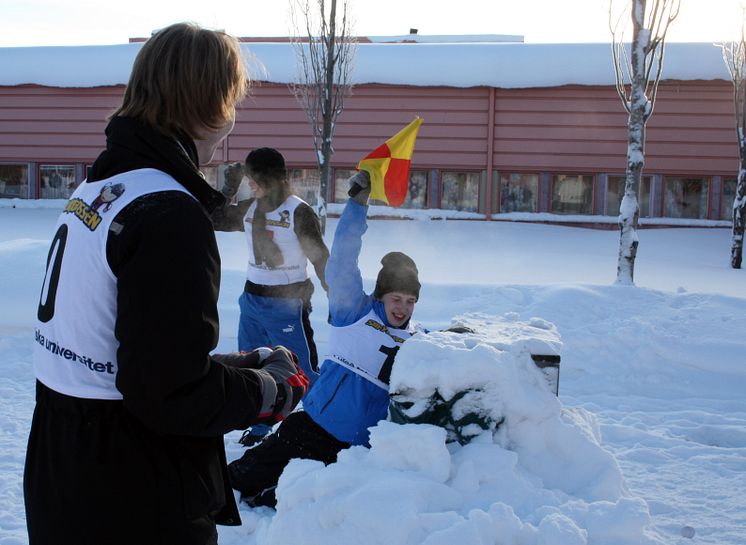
{"x":445,"y":38}
{"x":502,"y":65}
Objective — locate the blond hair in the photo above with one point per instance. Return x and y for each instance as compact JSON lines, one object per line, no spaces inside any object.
{"x":185,"y":79}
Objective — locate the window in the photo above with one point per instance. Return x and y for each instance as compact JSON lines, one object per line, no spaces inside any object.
{"x":572,"y":194}
{"x":460,"y":191}
{"x":685,"y":197}
{"x":729,"y":195}
{"x":615,"y":192}
{"x":340,"y":184}
{"x":417,"y":193}
{"x":56,"y":181}
{"x":14,"y":181}
{"x":211,"y":175}
{"x":519,"y":192}
{"x":216,"y":175}
{"x":306,"y":184}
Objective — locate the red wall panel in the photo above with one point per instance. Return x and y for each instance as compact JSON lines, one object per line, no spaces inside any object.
{"x":54,"y":125}
{"x":583,"y":130}
{"x":574,"y":129}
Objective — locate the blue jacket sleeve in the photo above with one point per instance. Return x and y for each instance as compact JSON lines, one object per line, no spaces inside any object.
{"x":347,"y":300}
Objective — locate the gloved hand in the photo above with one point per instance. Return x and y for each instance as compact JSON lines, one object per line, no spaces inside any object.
{"x":283,"y":385}
{"x":232,"y":180}
{"x":359,"y":187}
{"x":246,"y":360}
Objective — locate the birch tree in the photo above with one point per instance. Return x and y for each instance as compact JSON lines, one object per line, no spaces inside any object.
{"x":734,"y":55}
{"x":325,"y":52}
{"x":638,"y":72}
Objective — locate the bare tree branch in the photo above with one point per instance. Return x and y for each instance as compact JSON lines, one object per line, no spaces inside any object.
{"x":325,"y":58}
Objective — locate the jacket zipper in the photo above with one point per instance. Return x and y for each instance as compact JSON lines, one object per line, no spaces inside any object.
{"x":334,"y":394}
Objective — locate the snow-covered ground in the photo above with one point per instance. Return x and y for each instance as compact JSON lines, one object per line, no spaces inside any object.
{"x":646,"y":443}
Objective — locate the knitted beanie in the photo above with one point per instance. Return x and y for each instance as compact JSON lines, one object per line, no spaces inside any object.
{"x":399,"y":273}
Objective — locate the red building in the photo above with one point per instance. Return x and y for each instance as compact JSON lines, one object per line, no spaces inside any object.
{"x":509,"y":127}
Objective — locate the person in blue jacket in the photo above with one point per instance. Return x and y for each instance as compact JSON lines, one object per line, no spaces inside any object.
{"x":351,"y":392}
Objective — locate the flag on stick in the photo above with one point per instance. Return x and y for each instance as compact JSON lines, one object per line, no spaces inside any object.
{"x":388,"y":165}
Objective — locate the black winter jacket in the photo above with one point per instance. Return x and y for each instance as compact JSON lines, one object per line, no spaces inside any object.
{"x":150,"y":468}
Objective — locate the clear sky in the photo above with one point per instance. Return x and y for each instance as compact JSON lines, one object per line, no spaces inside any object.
{"x":90,"y":22}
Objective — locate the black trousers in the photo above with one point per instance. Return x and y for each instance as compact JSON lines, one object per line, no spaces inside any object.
{"x":93,"y":477}
{"x":256,"y":473}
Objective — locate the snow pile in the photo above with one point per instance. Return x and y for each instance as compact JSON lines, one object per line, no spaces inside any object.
{"x":658,"y":369}
{"x":470,"y":376}
{"x":541,"y":478}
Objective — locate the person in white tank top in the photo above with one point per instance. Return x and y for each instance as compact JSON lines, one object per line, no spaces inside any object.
{"x":282,"y":235}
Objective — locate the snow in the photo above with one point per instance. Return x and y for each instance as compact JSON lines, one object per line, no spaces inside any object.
{"x":502,"y":65}
{"x":447,"y":38}
{"x":645,"y":444}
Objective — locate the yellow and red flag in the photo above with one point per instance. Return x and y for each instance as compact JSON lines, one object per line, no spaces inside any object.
{"x":388,"y":165}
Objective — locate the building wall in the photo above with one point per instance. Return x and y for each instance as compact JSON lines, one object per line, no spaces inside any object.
{"x":53,"y":124}
{"x":454,"y":134}
{"x":538,"y":132}
{"x":584,"y":129}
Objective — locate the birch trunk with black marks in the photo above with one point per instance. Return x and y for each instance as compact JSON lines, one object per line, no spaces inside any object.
{"x":638,"y":72}
{"x":739,"y":209}
{"x":639,"y":112}
{"x":734,"y":55}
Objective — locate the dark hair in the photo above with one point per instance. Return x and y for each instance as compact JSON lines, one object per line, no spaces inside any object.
{"x":266,"y":166}
{"x":399,"y":273}
{"x":185,"y":79}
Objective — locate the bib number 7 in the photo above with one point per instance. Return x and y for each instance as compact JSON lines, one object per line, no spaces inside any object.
{"x":384,"y":375}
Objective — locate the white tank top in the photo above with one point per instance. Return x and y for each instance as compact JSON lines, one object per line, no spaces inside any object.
{"x":281,"y":225}
{"x":368,"y":348}
{"x":75,"y":352}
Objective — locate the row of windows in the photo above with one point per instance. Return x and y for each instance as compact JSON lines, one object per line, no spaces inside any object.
{"x":682,"y":197}
{"x":55,"y":181}
{"x":659,"y":196}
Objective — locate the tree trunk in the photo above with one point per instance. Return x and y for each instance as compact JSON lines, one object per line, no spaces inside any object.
{"x":629,"y":210}
{"x":739,"y":210}
{"x":327,"y":114}
{"x":325,"y":172}
{"x":629,"y":213}
{"x":324,"y":80}
{"x":639,"y":111}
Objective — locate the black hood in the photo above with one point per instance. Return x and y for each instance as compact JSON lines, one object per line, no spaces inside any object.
{"x":130,"y":145}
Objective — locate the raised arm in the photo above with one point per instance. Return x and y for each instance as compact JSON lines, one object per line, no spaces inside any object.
{"x":346,"y":296}
{"x":229,"y":217}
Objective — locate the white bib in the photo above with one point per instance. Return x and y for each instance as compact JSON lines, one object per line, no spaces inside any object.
{"x":75,"y":352}
{"x":281,"y":226}
{"x":367,"y":348}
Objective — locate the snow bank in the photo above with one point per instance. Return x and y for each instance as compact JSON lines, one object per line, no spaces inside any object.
{"x":541,"y":478}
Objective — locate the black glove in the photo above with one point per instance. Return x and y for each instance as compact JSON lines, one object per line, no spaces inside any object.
{"x":359,"y":187}
{"x":283,"y":385}
{"x":232,"y":178}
